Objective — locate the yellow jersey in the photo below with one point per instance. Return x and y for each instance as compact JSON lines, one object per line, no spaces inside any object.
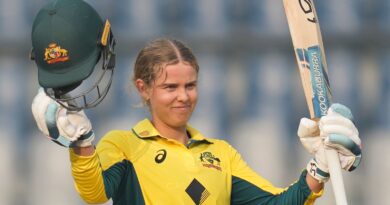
{"x":141,"y":167}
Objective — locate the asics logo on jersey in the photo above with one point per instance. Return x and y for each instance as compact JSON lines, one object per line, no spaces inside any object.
{"x":161,"y":155}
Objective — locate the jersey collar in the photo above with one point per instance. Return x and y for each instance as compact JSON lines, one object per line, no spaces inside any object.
{"x":145,"y":129}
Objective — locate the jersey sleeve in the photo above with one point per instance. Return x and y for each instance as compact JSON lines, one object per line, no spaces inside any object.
{"x":88,"y":179}
{"x":250,"y":188}
{"x":97,"y":177}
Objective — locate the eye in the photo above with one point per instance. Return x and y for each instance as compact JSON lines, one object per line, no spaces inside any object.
{"x":170,"y":87}
{"x":191,"y":86}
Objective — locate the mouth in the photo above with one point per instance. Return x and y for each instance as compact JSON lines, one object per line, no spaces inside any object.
{"x":183,"y":108}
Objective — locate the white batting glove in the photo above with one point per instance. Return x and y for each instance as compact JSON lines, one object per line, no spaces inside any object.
{"x":336,"y":131}
{"x":69,"y":129}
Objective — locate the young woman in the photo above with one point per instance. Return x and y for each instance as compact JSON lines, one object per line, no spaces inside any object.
{"x":163,"y":160}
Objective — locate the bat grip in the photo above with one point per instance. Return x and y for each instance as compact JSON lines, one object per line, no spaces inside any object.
{"x":336,"y":177}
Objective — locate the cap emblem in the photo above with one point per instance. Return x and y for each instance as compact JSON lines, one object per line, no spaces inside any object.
{"x":54,"y":54}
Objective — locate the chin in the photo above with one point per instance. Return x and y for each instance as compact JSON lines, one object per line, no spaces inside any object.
{"x":181,"y":121}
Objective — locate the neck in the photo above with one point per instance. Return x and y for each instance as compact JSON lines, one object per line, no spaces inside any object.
{"x":176,"y":133}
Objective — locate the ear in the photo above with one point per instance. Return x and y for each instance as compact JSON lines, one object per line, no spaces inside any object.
{"x":143,"y":89}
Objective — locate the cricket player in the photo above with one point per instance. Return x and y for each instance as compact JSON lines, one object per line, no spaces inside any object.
{"x":163,"y":159}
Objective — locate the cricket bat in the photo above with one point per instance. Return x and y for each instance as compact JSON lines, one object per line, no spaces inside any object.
{"x":309,"y":51}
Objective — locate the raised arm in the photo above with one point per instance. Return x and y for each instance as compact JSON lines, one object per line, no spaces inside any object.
{"x":74,"y":131}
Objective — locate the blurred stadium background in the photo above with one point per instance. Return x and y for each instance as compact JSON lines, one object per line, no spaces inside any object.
{"x":250,"y":92}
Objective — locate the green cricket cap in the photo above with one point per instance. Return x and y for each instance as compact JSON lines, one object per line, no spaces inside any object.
{"x":65,"y":36}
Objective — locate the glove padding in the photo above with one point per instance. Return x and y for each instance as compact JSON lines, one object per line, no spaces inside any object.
{"x":336,"y":131}
{"x":69,"y":129}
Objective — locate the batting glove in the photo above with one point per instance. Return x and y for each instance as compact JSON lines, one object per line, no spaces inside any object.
{"x":69,"y":129}
{"x":336,"y":131}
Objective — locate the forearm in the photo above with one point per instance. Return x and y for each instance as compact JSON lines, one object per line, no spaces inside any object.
{"x":244,"y":192}
{"x":87,"y":174}
{"x":84,"y":151}
{"x":314,"y":185}
{"x":300,"y":192}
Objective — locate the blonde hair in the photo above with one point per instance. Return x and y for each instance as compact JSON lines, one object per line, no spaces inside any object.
{"x":159,"y":53}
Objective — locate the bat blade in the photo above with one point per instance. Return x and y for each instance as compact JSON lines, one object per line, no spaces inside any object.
{"x":310,"y":55}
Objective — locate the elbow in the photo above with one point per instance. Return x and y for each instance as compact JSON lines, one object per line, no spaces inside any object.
{"x":95,"y":196}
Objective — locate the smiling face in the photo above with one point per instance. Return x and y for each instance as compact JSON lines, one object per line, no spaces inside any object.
{"x":165,"y":74}
{"x":172,"y":96}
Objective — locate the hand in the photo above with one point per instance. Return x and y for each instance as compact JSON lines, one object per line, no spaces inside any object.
{"x":69,"y":129}
{"x":334,"y":131}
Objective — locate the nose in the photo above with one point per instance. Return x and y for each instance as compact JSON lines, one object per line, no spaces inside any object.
{"x":182,"y":95}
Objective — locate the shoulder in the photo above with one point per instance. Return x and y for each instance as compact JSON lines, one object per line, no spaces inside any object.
{"x":122,"y":139}
{"x":226,"y":148}
{"x":117,"y":135}
{"x":122,"y":144}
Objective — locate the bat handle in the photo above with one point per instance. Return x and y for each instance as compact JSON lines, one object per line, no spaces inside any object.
{"x":336,"y":177}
